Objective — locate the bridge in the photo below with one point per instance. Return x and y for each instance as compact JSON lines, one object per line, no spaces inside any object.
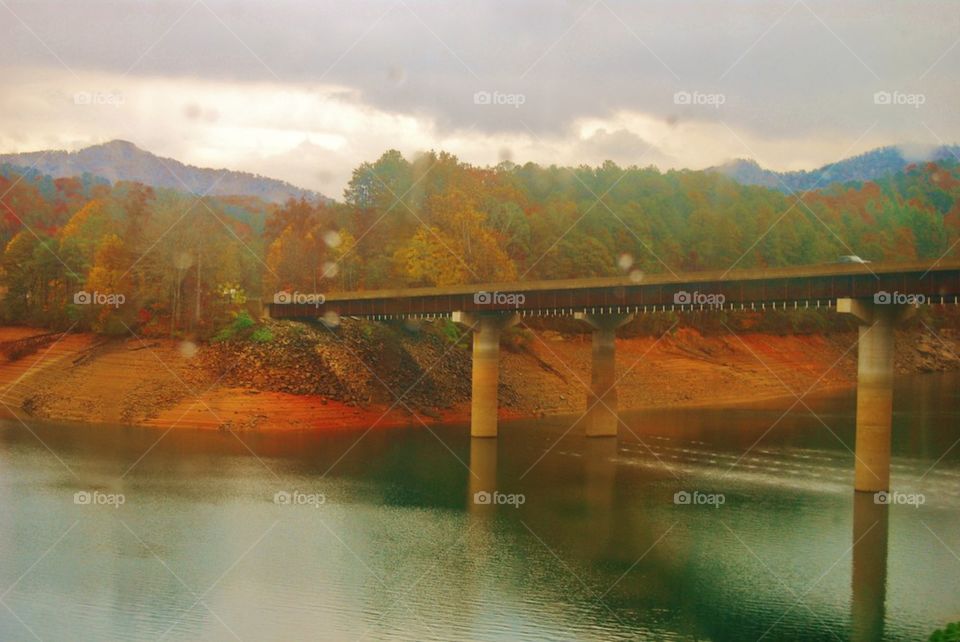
{"x":877,"y":296}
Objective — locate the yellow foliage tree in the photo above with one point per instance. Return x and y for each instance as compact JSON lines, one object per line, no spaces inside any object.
{"x":293,"y":260}
{"x":109,"y":276}
{"x":109,"y":266}
{"x":456,"y":247}
{"x":81,"y":236}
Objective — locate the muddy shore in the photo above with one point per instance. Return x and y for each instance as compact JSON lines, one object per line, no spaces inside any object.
{"x":364,"y":375}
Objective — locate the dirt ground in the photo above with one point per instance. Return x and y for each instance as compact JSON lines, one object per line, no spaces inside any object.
{"x":304,"y":381}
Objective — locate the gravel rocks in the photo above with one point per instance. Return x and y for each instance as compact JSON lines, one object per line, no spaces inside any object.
{"x":358,"y":362}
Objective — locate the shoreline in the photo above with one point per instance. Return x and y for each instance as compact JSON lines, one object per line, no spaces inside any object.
{"x":168,"y":384}
{"x":458,"y":418}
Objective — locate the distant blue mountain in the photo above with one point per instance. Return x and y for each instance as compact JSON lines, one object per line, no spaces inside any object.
{"x":120,"y":160}
{"x":871,"y":165}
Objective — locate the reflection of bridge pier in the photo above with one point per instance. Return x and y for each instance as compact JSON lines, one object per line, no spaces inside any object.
{"x":599,"y":486}
{"x":602,"y":419}
{"x":479,"y":540}
{"x":483,"y":475}
{"x":874,"y":389}
{"x":869,"y":583}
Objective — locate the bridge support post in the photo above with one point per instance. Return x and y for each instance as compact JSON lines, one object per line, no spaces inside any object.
{"x":602,"y":419}
{"x":486,"y":367}
{"x":875,"y":351}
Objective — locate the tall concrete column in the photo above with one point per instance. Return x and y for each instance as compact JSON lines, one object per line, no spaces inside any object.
{"x":602,"y":419}
{"x":875,"y":350}
{"x":486,"y":367}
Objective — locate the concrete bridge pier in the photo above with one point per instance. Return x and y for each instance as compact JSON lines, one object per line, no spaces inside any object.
{"x":602,"y":419}
{"x":874,"y":389}
{"x":487,"y":327}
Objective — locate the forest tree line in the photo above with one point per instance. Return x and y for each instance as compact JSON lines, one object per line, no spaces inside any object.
{"x":184,"y":264}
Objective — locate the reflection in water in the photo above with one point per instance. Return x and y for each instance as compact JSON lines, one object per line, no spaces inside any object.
{"x":600,"y":474}
{"x":870,"y":525}
{"x":480,"y":542}
{"x":401,"y":550}
{"x":483,"y":475}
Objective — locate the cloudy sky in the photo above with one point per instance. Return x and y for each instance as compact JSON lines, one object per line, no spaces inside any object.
{"x":305,"y":91}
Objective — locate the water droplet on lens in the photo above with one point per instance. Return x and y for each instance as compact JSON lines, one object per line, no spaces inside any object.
{"x":332,"y":238}
{"x":331,"y":319}
{"x":188,"y":349}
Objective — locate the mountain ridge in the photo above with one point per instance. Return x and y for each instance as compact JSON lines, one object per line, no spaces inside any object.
{"x":121,"y":160}
{"x":871,"y":165}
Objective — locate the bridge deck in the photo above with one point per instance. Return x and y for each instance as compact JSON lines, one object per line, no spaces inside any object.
{"x":779,"y":287}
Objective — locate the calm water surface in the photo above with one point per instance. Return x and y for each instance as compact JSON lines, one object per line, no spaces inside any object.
{"x":398,"y":549}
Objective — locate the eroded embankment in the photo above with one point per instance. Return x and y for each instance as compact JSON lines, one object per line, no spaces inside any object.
{"x":371,"y":375}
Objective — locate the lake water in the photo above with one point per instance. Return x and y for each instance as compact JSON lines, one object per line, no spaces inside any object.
{"x":353,"y":536}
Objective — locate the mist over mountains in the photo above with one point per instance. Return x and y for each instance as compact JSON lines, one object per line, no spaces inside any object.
{"x":871,"y":165}
{"x":120,"y":160}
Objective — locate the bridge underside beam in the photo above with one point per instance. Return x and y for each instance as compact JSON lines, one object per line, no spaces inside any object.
{"x":602,"y":419}
{"x":875,"y":352}
{"x":486,"y":367}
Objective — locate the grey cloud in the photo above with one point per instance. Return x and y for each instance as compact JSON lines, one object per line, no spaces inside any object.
{"x":623,"y":147}
{"x":568,"y":59}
